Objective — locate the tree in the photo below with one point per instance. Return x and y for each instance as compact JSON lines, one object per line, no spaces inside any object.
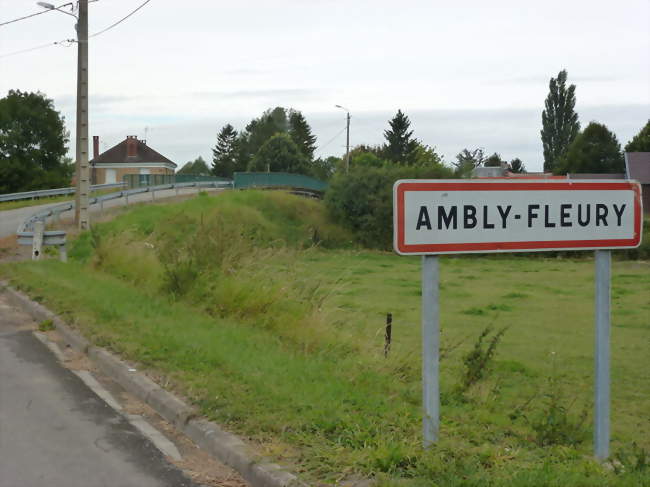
{"x":641,"y":141}
{"x":261,"y":129}
{"x":517,"y":166}
{"x":280,"y":154}
{"x":324,"y":169}
{"x":467,"y":160}
{"x":400,"y":144}
{"x":197,"y":167}
{"x":596,"y":150}
{"x":367,"y":159}
{"x":494,"y":161}
{"x":301,"y":134}
{"x":425,"y":156}
{"x":224,"y":154}
{"x":32,"y":144}
{"x":560,"y":124}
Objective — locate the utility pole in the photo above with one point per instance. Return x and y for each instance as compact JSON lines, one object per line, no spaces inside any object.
{"x":82,"y":170}
{"x":347,"y":146}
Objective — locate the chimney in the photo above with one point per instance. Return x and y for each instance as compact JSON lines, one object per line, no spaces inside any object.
{"x":131,"y":145}
{"x":95,"y":146}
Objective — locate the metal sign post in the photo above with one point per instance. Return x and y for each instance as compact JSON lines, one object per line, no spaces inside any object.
{"x":430,"y":349}
{"x":602,"y":379}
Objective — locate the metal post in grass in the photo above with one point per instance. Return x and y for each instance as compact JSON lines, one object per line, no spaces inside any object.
{"x":388,"y":333}
{"x":430,"y":349}
{"x":602,"y":385}
{"x":37,"y":240}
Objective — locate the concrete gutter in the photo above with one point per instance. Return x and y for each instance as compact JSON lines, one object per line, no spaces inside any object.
{"x":224,"y":446}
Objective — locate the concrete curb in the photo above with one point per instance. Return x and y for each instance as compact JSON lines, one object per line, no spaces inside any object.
{"x":224,"y":446}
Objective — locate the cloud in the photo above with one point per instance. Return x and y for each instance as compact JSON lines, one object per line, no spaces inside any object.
{"x":270,"y":93}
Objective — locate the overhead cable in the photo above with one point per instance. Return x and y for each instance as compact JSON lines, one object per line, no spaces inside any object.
{"x":50,"y":44}
{"x":119,"y":21}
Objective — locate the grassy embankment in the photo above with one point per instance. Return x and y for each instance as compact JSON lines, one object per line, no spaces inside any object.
{"x":281,"y":341}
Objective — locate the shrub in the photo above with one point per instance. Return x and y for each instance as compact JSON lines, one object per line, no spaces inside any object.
{"x":478,"y":360}
{"x":362,"y":199}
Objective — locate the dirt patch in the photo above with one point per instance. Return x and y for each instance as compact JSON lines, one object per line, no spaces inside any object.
{"x":10,"y":251}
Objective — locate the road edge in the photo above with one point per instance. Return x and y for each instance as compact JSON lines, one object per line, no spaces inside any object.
{"x":226,"y":447}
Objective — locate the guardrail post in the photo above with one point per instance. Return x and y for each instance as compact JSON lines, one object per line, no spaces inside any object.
{"x":153,"y":195}
{"x":37,"y":240}
{"x":126,"y":195}
{"x":101,"y":206}
{"x":63,"y":253}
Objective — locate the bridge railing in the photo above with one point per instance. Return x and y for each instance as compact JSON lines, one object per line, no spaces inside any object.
{"x":245,"y":180}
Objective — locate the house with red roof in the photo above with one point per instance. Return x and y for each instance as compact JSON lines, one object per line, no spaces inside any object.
{"x":131,"y":156}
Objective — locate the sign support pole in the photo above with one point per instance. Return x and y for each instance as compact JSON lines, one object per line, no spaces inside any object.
{"x":602,"y":386}
{"x":430,"y":349}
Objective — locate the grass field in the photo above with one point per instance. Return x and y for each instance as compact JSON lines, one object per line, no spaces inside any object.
{"x":283,"y":342}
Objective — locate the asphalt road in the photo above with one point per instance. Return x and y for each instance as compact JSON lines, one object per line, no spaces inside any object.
{"x":56,"y":432}
{"x":10,"y":219}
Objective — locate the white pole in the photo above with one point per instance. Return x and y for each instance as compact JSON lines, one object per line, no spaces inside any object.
{"x":37,"y":240}
{"x":602,"y":387}
{"x":430,"y":349}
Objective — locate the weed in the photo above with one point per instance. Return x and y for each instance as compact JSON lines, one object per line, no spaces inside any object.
{"x":478,"y":360}
{"x":551,"y":418}
{"x":515,"y":295}
{"x":499,"y":307}
{"x":46,"y":325}
{"x":633,"y":459}
{"x":474,"y":311}
{"x":554,"y":425}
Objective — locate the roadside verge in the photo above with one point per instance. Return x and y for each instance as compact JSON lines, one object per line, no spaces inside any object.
{"x":225,"y":446}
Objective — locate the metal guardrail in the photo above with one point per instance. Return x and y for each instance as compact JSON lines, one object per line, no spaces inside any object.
{"x":53,"y":192}
{"x":55,"y":211}
{"x":39,"y":238}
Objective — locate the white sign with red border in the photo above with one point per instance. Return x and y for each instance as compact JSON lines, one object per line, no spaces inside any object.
{"x":469,"y":216}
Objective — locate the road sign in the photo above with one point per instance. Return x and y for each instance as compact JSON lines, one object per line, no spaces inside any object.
{"x":432,"y":217}
{"x":456,"y":216}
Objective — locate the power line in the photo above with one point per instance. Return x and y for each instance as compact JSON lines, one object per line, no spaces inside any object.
{"x":35,"y":14}
{"x":119,"y":21}
{"x":331,"y":140}
{"x":25,"y":17}
{"x":35,"y":48}
{"x":50,"y":44}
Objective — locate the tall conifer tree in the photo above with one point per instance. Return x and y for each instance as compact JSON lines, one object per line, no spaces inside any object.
{"x":301,"y":134}
{"x":224,"y":155}
{"x":400,"y":145}
{"x":560,"y":124}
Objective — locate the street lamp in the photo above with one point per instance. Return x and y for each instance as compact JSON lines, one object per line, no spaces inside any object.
{"x":82,"y":171}
{"x":347,"y":144}
{"x":49,"y":6}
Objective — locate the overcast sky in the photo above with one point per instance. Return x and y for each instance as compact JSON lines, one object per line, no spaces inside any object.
{"x":467,"y":73}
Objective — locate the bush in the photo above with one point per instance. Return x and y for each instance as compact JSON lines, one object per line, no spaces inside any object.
{"x":362,"y":199}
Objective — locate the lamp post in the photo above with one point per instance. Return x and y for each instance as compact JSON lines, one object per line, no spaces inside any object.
{"x":82,"y":170}
{"x":347,"y":143}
